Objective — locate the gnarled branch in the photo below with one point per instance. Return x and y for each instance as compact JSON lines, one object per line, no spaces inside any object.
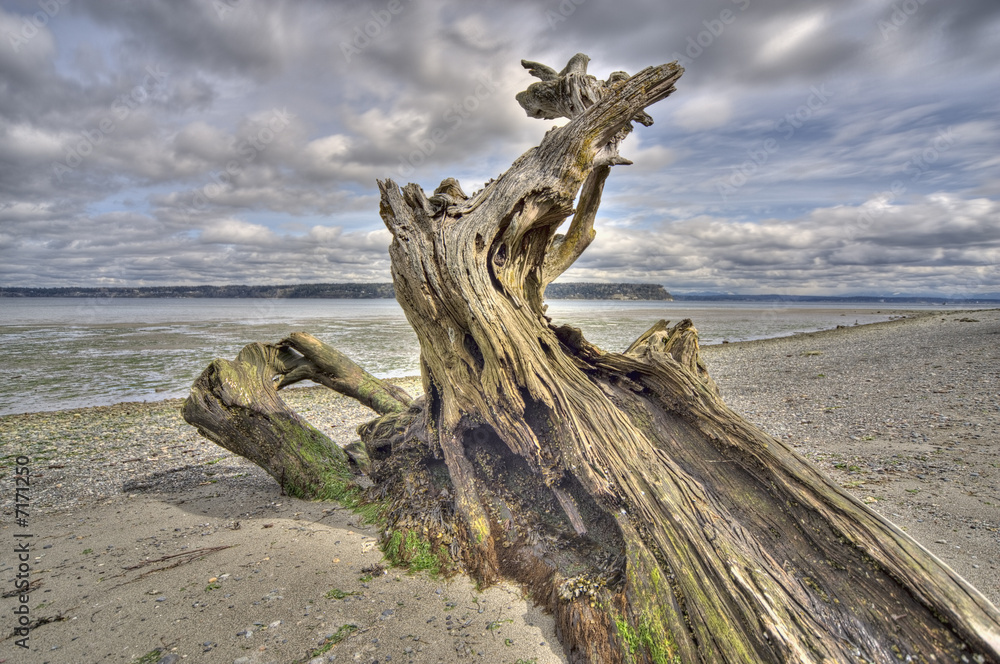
{"x":302,"y":356}
{"x":236,"y":404}
{"x":565,"y":249}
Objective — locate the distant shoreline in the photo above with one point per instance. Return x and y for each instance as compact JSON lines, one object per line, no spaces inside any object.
{"x":556,"y":291}
{"x":569,"y":291}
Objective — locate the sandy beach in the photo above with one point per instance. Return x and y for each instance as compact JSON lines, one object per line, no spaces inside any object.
{"x":150,"y":544}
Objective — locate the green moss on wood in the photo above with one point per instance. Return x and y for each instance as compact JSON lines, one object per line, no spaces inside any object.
{"x":646,"y":638}
{"x":649,"y":631}
{"x":316,"y":467}
{"x":408,"y":549}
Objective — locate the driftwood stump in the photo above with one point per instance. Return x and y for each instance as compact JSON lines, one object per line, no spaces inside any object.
{"x":657,"y":524}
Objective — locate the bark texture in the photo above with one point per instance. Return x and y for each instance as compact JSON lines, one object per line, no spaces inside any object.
{"x":656,"y":523}
{"x":236,"y":404}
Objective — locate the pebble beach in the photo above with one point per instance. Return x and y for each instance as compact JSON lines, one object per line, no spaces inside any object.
{"x":151,"y":545}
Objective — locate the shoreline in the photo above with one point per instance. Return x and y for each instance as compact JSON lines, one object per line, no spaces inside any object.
{"x":109,"y":354}
{"x":172,"y":392}
{"x":904,"y":414}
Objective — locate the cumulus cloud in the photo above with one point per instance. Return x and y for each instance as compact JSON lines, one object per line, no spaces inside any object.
{"x":832,"y":251}
{"x":703,"y":113}
{"x":136,"y":249}
{"x":193,"y":142}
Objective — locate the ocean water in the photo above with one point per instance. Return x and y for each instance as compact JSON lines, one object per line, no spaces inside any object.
{"x":62,"y":353}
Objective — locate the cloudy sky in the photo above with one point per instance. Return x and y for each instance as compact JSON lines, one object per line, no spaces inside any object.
{"x":826,"y":147}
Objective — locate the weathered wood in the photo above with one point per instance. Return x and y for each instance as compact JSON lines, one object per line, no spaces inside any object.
{"x":302,"y":356}
{"x":566,"y":248}
{"x":656,"y":523}
{"x":236,"y":404}
{"x":678,"y":343}
{"x":695,"y":535}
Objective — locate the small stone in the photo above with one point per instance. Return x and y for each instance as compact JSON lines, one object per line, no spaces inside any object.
{"x":172,"y":658}
{"x":161,"y":598}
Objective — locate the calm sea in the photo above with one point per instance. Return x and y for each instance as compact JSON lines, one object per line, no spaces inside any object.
{"x":62,"y":353}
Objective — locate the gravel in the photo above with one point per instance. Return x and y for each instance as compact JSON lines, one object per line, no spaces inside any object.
{"x":138,"y":447}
